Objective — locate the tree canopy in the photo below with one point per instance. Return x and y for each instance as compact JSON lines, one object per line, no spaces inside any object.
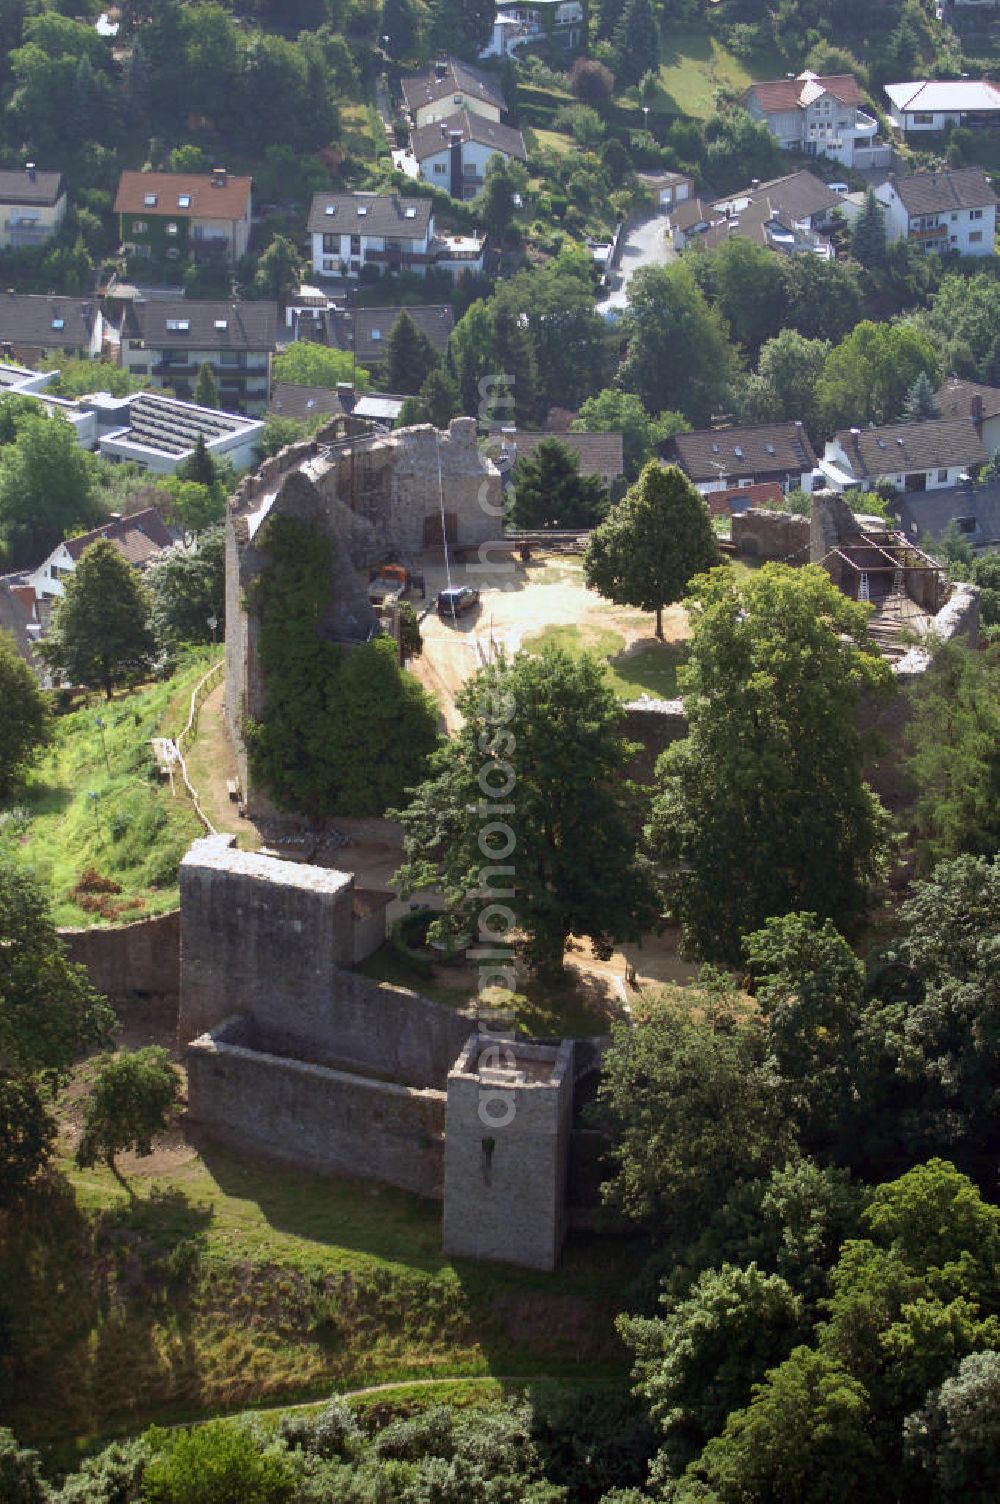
{"x":549,"y":490}
{"x":101,"y":632}
{"x":26,"y":724}
{"x":679,"y":356}
{"x":46,"y":490}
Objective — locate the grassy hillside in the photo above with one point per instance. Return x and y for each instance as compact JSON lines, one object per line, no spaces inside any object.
{"x":230,"y":1282}
{"x":97,"y":817}
{"x":695,"y":64}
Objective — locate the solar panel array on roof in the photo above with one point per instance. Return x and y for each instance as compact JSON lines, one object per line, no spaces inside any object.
{"x":173,"y":427}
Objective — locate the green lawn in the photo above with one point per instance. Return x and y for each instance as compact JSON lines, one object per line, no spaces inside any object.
{"x":231,"y":1282}
{"x":650,"y":670}
{"x":695,"y":64}
{"x":95,"y":806}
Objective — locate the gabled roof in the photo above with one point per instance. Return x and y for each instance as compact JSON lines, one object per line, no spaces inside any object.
{"x":428,"y":140}
{"x":934,"y":192}
{"x":291,"y":399}
{"x":46,"y":321}
{"x":447,"y":79}
{"x":208,"y":196}
{"x":799,"y":195}
{"x":30,"y":187}
{"x":935,"y":443}
{"x":930,"y":512}
{"x":197,"y":324}
{"x":780,"y":96}
{"x":958,"y":398}
{"x":373,"y":326}
{"x":599,"y":453}
{"x":688,"y":213}
{"x":940,"y":96}
{"x":770,"y":448}
{"x":369,"y":214}
{"x":138,"y":539}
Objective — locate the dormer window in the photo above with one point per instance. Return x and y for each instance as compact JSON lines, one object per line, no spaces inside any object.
{"x":150,"y":200}
{"x":738,"y":452}
{"x":178,"y":326}
{"x":362,"y":211}
{"x":59,"y":323}
{"x":183,"y":200}
{"x":770,"y":448}
{"x":222,"y":324}
{"x":410,"y":213}
{"x":376,"y":334}
{"x":330,"y":209}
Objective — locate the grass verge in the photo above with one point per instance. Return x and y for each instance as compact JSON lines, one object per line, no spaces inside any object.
{"x":650,"y":669}
{"x":97,"y":817}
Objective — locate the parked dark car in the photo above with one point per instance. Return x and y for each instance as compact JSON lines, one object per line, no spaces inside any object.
{"x":460,"y":598}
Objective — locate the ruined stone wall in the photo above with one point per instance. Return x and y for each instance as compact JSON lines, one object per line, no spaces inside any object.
{"x":654,"y":724}
{"x":272,"y":940}
{"x":135,"y":966}
{"x":332,"y":1120}
{"x":760,"y":534}
{"x":505,"y":1185}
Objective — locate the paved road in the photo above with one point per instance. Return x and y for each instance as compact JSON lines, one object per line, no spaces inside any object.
{"x":645,"y":244}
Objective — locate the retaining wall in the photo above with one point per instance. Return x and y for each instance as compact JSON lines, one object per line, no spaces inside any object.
{"x":330,"y":1119}
{"x":136,"y":966}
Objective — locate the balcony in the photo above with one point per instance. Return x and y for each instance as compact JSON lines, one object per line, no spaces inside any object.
{"x":24,"y":233}
{"x":864,"y":125}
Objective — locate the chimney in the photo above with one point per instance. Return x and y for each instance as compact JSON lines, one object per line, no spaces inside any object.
{"x":441,"y":69}
{"x":977,"y":413}
{"x":218,"y":177}
{"x":856,"y":436}
{"x":29,"y":168}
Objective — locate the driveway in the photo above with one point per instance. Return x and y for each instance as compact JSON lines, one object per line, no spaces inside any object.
{"x":645,"y":243}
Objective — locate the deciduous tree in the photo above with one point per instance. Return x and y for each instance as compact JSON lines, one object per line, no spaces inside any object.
{"x":188,"y":586}
{"x":550,"y":727}
{"x":101,"y":633}
{"x":679,"y":356}
{"x":45,"y":488}
{"x":762,"y":807}
{"x":26,"y":723}
{"x":652,"y":543}
{"x":130,"y":1103}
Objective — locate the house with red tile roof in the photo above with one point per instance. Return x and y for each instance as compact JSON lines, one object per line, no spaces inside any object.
{"x":139,"y":540}
{"x":819,"y":116}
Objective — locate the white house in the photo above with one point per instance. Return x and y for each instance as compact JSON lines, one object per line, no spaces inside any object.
{"x":931,"y":104}
{"x":819,"y":117}
{"x":138,"y":539}
{"x":158,"y":433}
{"x":350,"y":230}
{"x":449,"y":86}
{"x":32,"y":207}
{"x":925,"y":456}
{"x":942,"y":211}
{"x":455,"y":152}
{"x":518,"y":22}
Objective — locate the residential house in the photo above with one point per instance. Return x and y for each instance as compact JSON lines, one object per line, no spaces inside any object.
{"x":32,"y":207}
{"x":169,"y":341}
{"x":373,"y":328}
{"x":716,"y":459}
{"x":969,"y":399}
{"x":735,"y":500}
{"x":787,"y":214}
{"x":819,"y":116}
{"x":974,"y":510}
{"x":454,"y":153}
{"x":668,"y":188}
{"x":927,"y":105}
{"x":599,"y":454}
{"x":925,"y":456}
{"x":139,"y":539}
{"x":451,"y":85}
{"x":520,"y":22}
{"x":167,"y":216}
{"x":350,"y":230}
{"x":942,"y":211}
{"x":33,"y":325}
{"x":18,"y":614}
{"x":158,"y":433}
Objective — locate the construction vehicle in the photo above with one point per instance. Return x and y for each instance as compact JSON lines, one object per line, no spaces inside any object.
{"x":391,"y":582}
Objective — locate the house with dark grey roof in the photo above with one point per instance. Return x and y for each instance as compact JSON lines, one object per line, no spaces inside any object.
{"x":454,"y":152}
{"x":787,"y":214}
{"x":819,"y":116}
{"x":373,"y":328}
{"x":716,"y":459}
{"x":367,"y":410}
{"x":942,"y":211}
{"x":139,"y":539}
{"x":32,"y":207}
{"x":451,"y":85}
{"x":925,"y":456}
{"x":975,"y":511}
{"x":599,"y":454}
{"x":348,"y":231}
{"x":37,"y":324}
{"x":970,"y":399}
{"x":167,"y":342}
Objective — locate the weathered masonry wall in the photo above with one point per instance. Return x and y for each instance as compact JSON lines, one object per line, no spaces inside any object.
{"x":333,"y":1120}
{"x":273,"y":939}
{"x":135,"y":966}
{"x":505,"y":1181}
